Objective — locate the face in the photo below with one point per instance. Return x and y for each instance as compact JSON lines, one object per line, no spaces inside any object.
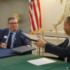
{"x":13,"y":25}
{"x":66,"y":27}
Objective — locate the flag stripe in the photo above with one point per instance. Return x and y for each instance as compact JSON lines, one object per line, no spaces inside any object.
{"x":31,"y":28}
{"x":31,"y":25}
{"x":32,"y":21}
{"x":35,"y":16}
{"x":35,"y":21}
{"x":39,"y":12}
{"x":35,"y":12}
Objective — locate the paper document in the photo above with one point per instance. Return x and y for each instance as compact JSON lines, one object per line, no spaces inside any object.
{"x":41,"y":61}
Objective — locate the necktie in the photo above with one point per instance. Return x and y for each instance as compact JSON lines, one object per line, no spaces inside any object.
{"x":9,"y":40}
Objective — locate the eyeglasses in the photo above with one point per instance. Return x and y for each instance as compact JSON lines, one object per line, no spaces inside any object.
{"x":13,"y":23}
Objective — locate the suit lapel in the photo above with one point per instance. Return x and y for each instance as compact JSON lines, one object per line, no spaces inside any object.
{"x":66,"y":43}
{"x":16,"y":38}
{"x":5,"y":35}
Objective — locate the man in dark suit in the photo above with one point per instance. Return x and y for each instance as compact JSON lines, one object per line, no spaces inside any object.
{"x":12,"y":36}
{"x":63,"y":49}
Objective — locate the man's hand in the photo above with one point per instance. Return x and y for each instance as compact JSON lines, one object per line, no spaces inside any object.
{"x":40,"y":43}
{"x":3,"y":45}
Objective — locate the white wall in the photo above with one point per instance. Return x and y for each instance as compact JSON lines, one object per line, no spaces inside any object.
{"x":8,"y":7}
{"x":51,"y":12}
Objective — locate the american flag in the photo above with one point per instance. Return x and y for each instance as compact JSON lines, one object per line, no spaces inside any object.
{"x":35,"y":16}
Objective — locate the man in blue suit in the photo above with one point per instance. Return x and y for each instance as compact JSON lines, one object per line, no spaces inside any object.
{"x":63,"y":49}
{"x":12,"y":36}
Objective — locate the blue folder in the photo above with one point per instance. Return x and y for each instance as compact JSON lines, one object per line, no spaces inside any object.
{"x":6,"y":53}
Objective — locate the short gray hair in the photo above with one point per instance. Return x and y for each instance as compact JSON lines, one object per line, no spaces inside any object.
{"x":13,"y":17}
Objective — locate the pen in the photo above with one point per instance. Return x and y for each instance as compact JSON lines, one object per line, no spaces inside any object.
{"x":68,"y":68}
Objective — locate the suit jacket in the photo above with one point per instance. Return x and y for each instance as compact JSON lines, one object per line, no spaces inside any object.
{"x":62,"y":50}
{"x":19,"y":40}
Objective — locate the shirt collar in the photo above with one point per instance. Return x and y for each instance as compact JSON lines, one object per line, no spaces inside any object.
{"x":12,"y":32}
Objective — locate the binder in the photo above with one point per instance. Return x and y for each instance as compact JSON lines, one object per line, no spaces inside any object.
{"x":22,"y":49}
